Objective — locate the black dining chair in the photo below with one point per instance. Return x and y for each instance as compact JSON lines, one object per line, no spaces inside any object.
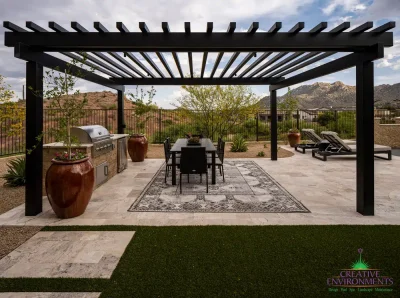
{"x":219,"y":159}
{"x":193,"y":161}
{"x":168,"y":160}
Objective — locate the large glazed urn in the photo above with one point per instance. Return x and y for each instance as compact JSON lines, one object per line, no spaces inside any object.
{"x":294,"y":138}
{"x":69,"y":186}
{"x":137,"y":147}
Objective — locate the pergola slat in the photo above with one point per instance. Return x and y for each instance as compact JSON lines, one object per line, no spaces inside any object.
{"x":316,"y":59}
{"x":230,"y":62}
{"x":178,"y":64}
{"x":255,"y":63}
{"x":190,"y":57}
{"x":140,"y":64}
{"x":190,"y":64}
{"x":297,"y":28}
{"x":242,"y":63}
{"x":289,"y":65}
{"x":35,"y":27}
{"x":99,"y":27}
{"x":143,"y":27}
{"x":363,"y":27}
{"x":230,"y":30}
{"x":78,"y":27}
{"x":165,"y":63}
{"x":205,"y":54}
{"x":252,"y":29}
{"x":165,"y":28}
{"x":275,"y":27}
{"x":340,"y":28}
{"x":210,"y":26}
{"x":11,"y":26}
{"x":88,"y":63}
{"x":102,"y":29}
{"x":126,"y":63}
{"x":56,"y":27}
{"x":268,"y":63}
{"x":203,"y":64}
{"x":122,"y":28}
{"x":334,"y":66}
{"x":385,"y":27}
{"x":283,"y":62}
{"x":101,"y":63}
{"x":319,"y":28}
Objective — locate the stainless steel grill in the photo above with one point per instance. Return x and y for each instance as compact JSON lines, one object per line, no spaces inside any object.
{"x":97,"y":135}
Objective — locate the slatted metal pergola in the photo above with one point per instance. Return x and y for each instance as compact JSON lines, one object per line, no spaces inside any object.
{"x":283,"y":53}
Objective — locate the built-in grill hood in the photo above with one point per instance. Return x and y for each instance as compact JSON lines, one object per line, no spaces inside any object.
{"x":97,"y":135}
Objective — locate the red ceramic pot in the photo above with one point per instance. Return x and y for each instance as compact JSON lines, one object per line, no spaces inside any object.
{"x":69,"y":186}
{"x":137,"y":147}
{"x":294,"y":138}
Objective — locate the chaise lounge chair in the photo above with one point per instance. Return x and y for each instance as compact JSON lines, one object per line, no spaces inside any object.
{"x":338,"y":147}
{"x":316,"y":139}
{"x":311,"y":135}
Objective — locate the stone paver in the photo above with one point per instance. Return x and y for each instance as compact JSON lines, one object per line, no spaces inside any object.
{"x":327,"y":189}
{"x":79,"y":254}
{"x":50,"y":295}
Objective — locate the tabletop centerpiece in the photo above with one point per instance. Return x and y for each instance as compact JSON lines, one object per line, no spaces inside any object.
{"x":193,"y":141}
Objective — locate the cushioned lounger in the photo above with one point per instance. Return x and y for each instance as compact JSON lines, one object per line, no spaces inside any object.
{"x":310,"y":135}
{"x":339,"y":147}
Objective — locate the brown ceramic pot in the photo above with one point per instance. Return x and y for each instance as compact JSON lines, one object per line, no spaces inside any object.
{"x":294,"y":138}
{"x":137,"y":147}
{"x":69,"y":186}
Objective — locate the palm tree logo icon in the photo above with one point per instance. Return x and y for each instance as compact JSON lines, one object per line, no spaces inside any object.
{"x":360,"y":264}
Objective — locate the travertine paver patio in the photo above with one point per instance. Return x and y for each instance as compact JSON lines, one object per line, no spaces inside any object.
{"x":327,"y":189}
{"x":78,"y":254}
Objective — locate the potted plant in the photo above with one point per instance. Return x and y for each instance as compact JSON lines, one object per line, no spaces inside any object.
{"x":70,"y":178}
{"x":294,"y":137}
{"x":194,"y":141}
{"x":138,"y":143}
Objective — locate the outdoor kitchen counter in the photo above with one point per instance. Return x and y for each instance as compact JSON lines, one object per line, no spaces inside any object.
{"x":119,"y":136}
{"x":49,"y":151}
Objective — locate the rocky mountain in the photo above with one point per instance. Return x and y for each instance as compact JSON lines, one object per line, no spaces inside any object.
{"x":339,"y":95}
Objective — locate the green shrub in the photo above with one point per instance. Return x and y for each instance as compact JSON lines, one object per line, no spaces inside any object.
{"x":261,"y":154}
{"x":15,"y":175}
{"x":324,"y":118}
{"x":239,"y":144}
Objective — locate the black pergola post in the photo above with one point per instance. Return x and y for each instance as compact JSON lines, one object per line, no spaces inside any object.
{"x":274,"y":126}
{"x":365,"y":137}
{"x":121,"y":121}
{"x":34,"y":128}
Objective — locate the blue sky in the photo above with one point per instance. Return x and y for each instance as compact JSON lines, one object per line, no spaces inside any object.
{"x":199,"y":12}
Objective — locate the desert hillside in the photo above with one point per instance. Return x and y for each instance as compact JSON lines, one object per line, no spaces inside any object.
{"x":338,"y":94}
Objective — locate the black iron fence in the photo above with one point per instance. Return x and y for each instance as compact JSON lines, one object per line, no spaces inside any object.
{"x":159,"y":124}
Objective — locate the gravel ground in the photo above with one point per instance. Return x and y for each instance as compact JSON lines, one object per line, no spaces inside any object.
{"x":11,"y":237}
{"x":10,"y":197}
{"x":157,"y":151}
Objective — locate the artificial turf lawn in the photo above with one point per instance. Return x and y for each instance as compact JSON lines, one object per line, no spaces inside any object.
{"x":233,"y":261}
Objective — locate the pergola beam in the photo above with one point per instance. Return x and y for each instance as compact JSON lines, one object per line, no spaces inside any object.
{"x":340,"y":64}
{"x":198,"y":42}
{"x":268,"y":63}
{"x":195,"y":81}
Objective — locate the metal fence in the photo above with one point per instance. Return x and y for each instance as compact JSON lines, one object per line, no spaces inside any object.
{"x":159,"y":124}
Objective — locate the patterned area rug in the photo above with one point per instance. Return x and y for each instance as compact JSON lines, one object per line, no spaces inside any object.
{"x":247,"y":188}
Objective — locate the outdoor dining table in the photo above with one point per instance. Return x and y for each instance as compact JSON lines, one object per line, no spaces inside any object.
{"x":177,"y":148}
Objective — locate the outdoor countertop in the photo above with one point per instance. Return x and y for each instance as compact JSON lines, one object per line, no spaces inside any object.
{"x":118,"y":136}
{"x":61,"y":145}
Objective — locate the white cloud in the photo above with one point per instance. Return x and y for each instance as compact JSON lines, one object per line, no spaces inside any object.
{"x":346,"y":5}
